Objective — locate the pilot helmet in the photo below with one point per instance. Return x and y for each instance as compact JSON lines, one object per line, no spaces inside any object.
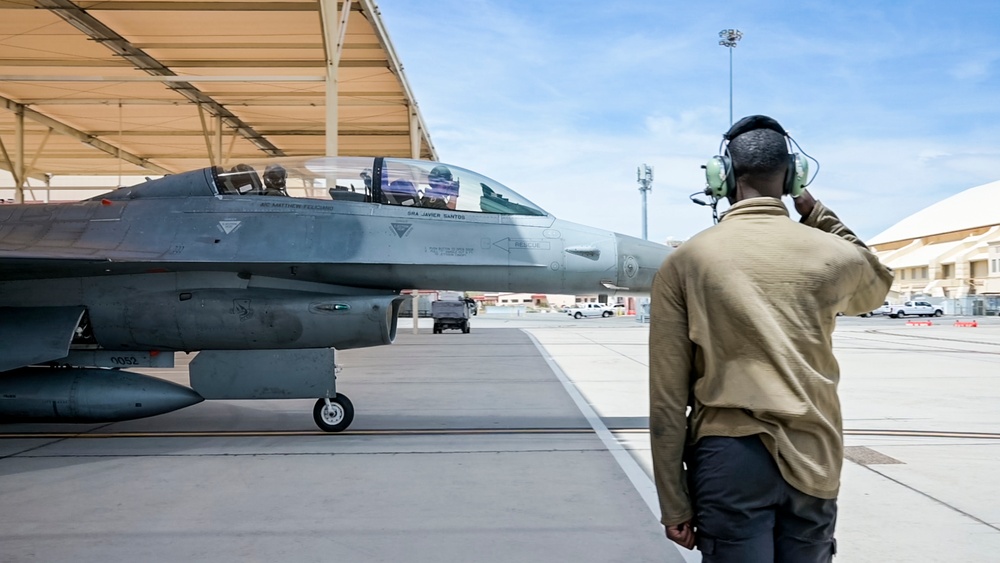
{"x":275,"y":175}
{"x":440,"y":173}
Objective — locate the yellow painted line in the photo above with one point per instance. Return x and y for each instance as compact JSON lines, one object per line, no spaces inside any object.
{"x":924,"y":434}
{"x":438,"y":432}
{"x":293,"y":433}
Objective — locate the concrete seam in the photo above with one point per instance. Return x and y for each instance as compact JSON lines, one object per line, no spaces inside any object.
{"x":933,"y":498}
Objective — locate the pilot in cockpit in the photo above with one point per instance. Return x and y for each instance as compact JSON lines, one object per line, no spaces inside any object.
{"x":443,"y":190}
{"x":275,"y":177}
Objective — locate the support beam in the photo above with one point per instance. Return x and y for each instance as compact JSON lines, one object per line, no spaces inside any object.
{"x":207,"y":6}
{"x":204,"y":133}
{"x":19,"y":154}
{"x":157,"y":78}
{"x":7,"y":160}
{"x":414,"y":133}
{"x":388,"y":131}
{"x":218,"y":140}
{"x":121,"y":47}
{"x":63,"y":129}
{"x":334,"y":31}
{"x":274,"y":100}
{"x":371,"y":12}
{"x":38,"y":152}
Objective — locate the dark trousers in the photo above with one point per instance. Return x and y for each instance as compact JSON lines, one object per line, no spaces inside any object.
{"x":746,"y":512}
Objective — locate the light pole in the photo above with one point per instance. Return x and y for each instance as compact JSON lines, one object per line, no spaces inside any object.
{"x":644,"y":175}
{"x":730,"y":37}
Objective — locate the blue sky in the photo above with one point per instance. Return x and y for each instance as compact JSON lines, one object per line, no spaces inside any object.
{"x":562,"y":100}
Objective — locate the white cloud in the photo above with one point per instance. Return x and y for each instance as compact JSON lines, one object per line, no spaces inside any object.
{"x":562,"y":102}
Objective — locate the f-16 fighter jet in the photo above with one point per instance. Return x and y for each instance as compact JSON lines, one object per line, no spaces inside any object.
{"x":265,"y":269}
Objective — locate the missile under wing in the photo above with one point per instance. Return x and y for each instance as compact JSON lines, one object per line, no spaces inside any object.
{"x":262,"y":266}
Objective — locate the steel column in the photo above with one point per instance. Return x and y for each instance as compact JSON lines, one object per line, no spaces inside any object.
{"x":19,"y":154}
{"x":414,"y":132}
{"x":334,"y":30}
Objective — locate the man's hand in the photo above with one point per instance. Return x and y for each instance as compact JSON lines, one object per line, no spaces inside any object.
{"x":682,"y":534}
{"x":804,"y":203}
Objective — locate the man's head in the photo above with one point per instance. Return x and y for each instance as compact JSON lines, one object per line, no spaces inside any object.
{"x":275,"y":176}
{"x":760,"y":161}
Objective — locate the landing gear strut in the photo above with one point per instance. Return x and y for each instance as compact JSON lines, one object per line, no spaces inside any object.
{"x":333,"y":415}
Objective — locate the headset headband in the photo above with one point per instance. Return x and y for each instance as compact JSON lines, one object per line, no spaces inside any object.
{"x":752,"y":123}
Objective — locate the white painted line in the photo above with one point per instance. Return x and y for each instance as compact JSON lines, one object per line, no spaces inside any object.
{"x":642,"y":483}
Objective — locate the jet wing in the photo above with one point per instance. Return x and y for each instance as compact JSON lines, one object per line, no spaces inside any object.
{"x":32,"y":335}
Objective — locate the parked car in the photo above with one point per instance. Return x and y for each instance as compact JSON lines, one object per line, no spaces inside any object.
{"x":918,"y":308}
{"x":883,"y":310}
{"x":581,"y":310}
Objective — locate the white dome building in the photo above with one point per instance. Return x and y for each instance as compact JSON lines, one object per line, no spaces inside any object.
{"x":949,"y":251}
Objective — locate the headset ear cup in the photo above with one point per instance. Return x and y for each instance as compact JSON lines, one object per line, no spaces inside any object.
{"x":718,"y":176}
{"x":796,"y":176}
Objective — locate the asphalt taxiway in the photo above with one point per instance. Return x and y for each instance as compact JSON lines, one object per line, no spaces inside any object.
{"x":524,"y":440}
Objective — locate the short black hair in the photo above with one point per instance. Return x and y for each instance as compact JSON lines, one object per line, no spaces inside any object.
{"x":761,"y":152}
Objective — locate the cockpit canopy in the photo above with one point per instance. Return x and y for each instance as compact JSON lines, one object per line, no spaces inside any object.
{"x":388,"y":181}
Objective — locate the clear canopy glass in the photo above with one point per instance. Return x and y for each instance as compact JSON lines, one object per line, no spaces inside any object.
{"x":387,"y":181}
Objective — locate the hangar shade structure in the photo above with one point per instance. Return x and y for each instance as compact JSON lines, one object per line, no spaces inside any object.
{"x":140,"y":87}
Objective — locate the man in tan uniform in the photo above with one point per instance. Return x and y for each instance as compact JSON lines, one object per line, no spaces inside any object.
{"x":743,"y":381}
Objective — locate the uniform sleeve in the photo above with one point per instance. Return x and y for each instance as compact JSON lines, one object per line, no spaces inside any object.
{"x":874,"y":280}
{"x":670,"y":363}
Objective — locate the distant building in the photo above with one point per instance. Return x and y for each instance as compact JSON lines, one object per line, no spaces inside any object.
{"x":949,"y":251}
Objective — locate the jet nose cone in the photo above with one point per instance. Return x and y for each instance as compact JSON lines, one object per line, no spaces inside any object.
{"x":638,"y":262}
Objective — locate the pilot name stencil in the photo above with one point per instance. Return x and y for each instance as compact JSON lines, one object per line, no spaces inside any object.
{"x":282,"y":205}
{"x":436,"y":215}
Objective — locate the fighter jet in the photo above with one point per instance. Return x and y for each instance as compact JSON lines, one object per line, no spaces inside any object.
{"x":265,"y":269}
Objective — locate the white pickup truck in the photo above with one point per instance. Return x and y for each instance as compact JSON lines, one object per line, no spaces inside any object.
{"x":883,"y":310}
{"x":918,"y":308}
{"x":581,"y":310}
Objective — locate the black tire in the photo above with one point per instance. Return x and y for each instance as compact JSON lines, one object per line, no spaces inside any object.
{"x":336,"y":420}
{"x":606,"y":314}
{"x":466,"y":329}
{"x":578,"y":315}
{"x":938,"y":313}
{"x":900,"y":315}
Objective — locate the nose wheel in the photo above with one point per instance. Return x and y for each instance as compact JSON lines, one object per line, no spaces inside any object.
{"x":333,"y":415}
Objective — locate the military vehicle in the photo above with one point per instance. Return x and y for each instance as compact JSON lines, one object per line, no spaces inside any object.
{"x":265,"y":269}
{"x":450,"y":315}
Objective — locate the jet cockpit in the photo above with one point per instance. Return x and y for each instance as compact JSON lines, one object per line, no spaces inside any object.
{"x":388,"y":181}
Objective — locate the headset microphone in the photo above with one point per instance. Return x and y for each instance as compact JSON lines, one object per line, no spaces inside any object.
{"x":715,"y":202}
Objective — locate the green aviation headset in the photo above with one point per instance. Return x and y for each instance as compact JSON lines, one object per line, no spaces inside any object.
{"x":719,"y":170}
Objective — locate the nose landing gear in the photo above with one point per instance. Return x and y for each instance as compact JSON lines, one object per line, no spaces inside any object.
{"x":333,"y":415}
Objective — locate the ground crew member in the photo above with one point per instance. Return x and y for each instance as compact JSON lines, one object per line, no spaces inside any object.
{"x":743,"y":381}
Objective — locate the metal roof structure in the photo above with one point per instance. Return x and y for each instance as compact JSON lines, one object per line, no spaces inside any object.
{"x":975,"y":207}
{"x":140,"y":87}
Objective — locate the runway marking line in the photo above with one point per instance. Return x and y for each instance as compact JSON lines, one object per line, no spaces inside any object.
{"x":441,"y":432}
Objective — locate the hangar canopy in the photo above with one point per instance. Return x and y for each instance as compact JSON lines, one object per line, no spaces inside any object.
{"x":139,"y":87}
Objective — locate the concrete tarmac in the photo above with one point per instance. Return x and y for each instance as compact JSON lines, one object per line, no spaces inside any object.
{"x":465,"y":447}
{"x":478,"y":447}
